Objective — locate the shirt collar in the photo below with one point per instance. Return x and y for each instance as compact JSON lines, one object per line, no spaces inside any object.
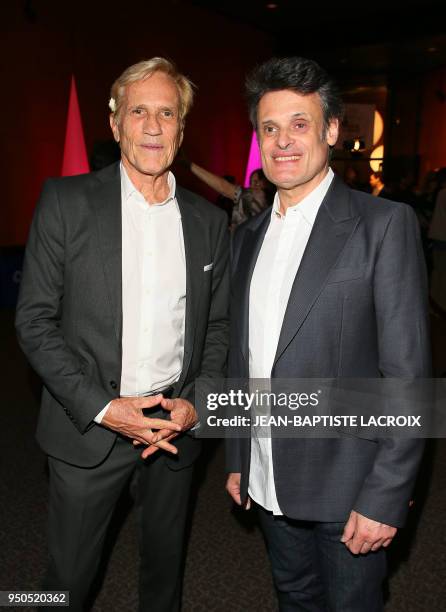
{"x":309,"y":206}
{"x":129,"y":189}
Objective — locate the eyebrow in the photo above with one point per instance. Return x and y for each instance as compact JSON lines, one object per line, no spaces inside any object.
{"x":302,"y":115}
{"x":143,"y":105}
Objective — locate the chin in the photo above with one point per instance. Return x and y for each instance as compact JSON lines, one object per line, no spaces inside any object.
{"x":288,"y":182}
{"x":152,"y":170}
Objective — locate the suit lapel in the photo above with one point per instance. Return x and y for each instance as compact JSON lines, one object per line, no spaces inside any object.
{"x":333,"y":226}
{"x":245,"y":265}
{"x":105,"y":197}
{"x":195,"y":254}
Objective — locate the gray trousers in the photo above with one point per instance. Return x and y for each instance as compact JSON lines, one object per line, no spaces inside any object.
{"x":81,"y":504}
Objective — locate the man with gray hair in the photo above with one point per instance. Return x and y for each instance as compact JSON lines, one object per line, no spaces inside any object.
{"x":123,"y":303}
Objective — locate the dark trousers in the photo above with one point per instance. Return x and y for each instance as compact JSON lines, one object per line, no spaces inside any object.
{"x":81,"y":504}
{"x":313,"y":571}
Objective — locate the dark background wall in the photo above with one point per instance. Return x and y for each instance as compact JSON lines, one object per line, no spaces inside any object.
{"x":391,"y":55}
{"x":432,"y":140}
{"x":95,"y":40}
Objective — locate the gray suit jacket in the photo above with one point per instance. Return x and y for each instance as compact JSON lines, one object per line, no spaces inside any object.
{"x":357,"y":309}
{"x":69,"y":313}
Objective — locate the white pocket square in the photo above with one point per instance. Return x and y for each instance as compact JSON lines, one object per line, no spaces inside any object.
{"x":208,"y":267}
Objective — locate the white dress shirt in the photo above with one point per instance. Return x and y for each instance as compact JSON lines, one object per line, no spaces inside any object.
{"x":276,"y":267}
{"x":153,"y":291}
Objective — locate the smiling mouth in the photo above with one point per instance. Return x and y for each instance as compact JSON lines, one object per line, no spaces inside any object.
{"x":151,"y":146}
{"x":286,"y":158}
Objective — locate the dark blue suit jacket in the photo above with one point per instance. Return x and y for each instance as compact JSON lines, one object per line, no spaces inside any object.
{"x":357,"y":309}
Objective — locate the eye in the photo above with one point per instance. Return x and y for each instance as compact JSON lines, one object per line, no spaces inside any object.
{"x":269,"y":129}
{"x":167,"y":112}
{"x":137,"y":111}
{"x":300,"y":125}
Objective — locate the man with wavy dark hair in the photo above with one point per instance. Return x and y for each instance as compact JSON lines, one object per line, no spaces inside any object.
{"x":326,"y":284}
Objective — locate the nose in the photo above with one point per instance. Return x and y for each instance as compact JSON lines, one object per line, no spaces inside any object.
{"x":152,"y":126}
{"x":284,"y":139}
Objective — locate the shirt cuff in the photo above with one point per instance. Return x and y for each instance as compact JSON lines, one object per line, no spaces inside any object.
{"x":98,"y":418}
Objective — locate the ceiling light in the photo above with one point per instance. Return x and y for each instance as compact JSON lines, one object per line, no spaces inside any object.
{"x":356,"y":145}
{"x":378,"y":127}
{"x":376,"y":158}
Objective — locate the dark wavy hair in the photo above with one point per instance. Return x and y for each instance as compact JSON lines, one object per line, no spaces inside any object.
{"x":304,"y":76}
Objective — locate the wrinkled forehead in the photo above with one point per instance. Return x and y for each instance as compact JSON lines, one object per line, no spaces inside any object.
{"x":156,"y":88}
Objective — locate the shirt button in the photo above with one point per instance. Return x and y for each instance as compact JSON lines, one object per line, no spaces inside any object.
{"x":113,"y":384}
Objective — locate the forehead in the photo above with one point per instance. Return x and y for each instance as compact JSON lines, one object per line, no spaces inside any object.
{"x":158,"y":88}
{"x":285,"y":104}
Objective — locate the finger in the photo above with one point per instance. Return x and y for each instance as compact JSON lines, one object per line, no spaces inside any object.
{"x":349,"y":529}
{"x":234,"y":492}
{"x":152,"y":448}
{"x":183,"y":423}
{"x":148,"y":451}
{"x":167,"y":404}
{"x":236,"y":497}
{"x":136,"y":443}
{"x":377,"y":545}
{"x":148,"y":402}
{"x":355,"y":544}
{"x":387,"y":542}
{"x":146,"y":437}
{"x":153,"y":423}
{"x":170,"y":448}
{"x":365,"y":548}
{"x":163,"y":434}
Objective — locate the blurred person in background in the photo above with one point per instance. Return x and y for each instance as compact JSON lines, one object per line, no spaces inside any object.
{"x":376,"y":183}
{"x":247,"y":202}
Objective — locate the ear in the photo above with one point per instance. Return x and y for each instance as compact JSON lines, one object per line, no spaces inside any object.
{"x":333,"y":132}
{"x":114,"y":126}
{"x":181,"y":136}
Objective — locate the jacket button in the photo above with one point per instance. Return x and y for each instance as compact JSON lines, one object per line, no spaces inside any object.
{"x":113,"y":384}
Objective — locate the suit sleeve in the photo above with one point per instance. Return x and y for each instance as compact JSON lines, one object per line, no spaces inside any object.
{"x":39,"y":314}
{"x":400,"y":295}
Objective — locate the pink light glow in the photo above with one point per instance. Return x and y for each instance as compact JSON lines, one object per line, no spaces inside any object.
{"x":254,"y":160}
{"x":75,"y":160}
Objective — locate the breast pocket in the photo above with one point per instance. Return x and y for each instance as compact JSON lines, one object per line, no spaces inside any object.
{"x":346,"y":273}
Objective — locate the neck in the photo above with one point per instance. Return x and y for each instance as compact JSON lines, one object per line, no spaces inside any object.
{"x":291,"y":197}
{"x":154,"y":188}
